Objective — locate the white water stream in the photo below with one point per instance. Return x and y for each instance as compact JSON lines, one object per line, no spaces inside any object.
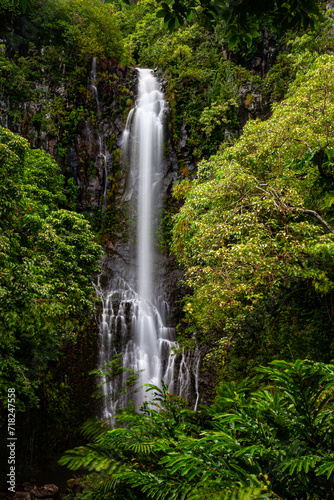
{"x":100,"y":155}
{"x":133,"y":323}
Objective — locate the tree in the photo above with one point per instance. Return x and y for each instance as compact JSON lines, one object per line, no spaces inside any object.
{"x":48,"y":259}
{"x":256,"y":236}
{"x":243,"y":17}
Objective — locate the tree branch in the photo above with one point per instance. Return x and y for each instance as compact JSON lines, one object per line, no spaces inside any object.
{"x":296,"y":209}
{"x":315,"y":214}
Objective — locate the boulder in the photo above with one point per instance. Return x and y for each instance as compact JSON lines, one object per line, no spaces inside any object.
{"x":46,"y":492}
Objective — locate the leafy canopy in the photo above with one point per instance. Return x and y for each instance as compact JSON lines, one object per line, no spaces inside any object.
{"x":88,"y":29}
{"x":243,"y":17}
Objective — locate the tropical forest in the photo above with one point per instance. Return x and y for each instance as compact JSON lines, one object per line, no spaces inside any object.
{"x":167,"y":249}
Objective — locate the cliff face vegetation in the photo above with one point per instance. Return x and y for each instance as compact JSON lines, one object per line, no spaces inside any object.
{"x":247,"y":225}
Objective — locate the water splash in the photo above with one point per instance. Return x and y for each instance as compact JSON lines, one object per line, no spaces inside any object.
{"x":134,"y":328}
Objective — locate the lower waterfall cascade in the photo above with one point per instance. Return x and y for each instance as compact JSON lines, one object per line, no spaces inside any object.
{"x":134,"y":323}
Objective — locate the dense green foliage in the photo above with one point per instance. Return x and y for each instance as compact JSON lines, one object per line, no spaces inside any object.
{"x":256,"y":236}
{"x":272,"y":442}
{"x":48,"y":258}
{"x":244,"y":18}
{"x":83,"y":29}
{"x":69,"y":29}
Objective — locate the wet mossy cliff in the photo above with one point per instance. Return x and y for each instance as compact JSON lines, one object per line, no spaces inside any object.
{"x":79,"y":121}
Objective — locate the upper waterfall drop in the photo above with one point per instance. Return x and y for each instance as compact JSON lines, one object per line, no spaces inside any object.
{"x":148,"y":141}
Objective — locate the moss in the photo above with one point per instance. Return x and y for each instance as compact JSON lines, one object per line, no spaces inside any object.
{"x":116,"y":156}
{"x":248,"y":100}
{"x":111,"y":142}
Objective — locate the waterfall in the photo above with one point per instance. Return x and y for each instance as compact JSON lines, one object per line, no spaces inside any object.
{"x":146,"y":128}
{"x":100,"y":155}
{"x":135,"y":323}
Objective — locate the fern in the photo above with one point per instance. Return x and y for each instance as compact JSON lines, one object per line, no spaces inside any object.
{"x":235,"y":493}
{"x":300,"y":464}
{"x":326,"y":468}
{"x":274,"y":442}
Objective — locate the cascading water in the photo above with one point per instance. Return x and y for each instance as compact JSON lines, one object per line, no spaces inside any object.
{"x":100,"y":155}
{"x":134,"y":323}
{"x":123,"y":321}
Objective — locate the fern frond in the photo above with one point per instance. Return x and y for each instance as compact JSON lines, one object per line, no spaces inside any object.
{"x":91,"y":456}
{"x":219,"y":492}
{"x":327,"y":467}
{"x":299,"y":464}
{"x":93,"y":429}
{"x":157,"y":488}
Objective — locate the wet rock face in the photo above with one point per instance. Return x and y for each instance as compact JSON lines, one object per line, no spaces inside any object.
{"x":83,"y":132}
{"x":95,"y":160}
